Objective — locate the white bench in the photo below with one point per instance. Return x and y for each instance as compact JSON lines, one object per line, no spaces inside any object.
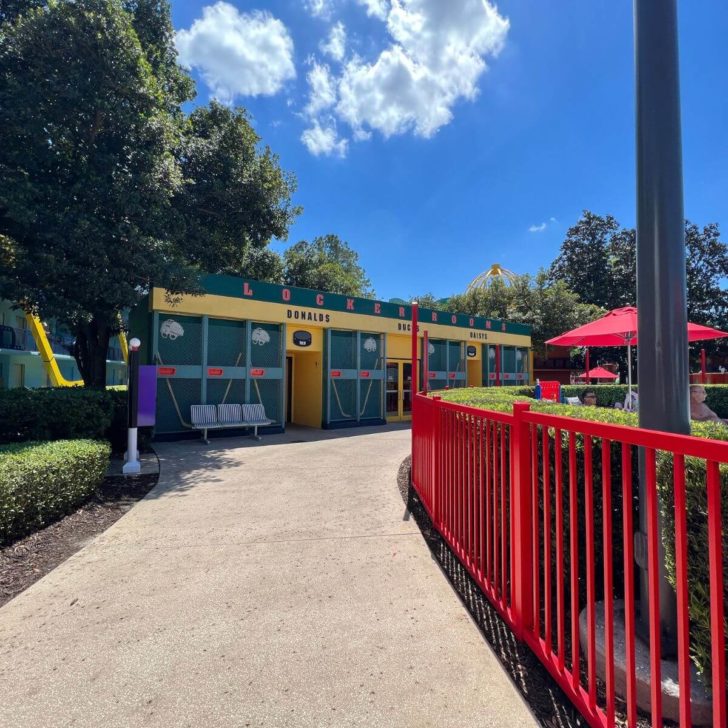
{"x":206,"y":417}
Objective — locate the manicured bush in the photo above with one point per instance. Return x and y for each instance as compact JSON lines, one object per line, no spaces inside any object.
{"x":500,"y":399}
{"x":63,"y":413}
{"x":42,"y":481}
{"x":717,"y":398}
{"x":697,"y":543}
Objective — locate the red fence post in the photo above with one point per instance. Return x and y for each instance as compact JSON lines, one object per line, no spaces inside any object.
{"x":523,"y":567}
{"x":425,"y":363}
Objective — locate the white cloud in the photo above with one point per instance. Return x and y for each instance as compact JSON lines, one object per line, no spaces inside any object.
{"x":320,"y":8}
{"x":434,"y":57}
{"x":322,"y":89}
{"x":540,"y":228}
{"x":238,"y":54}
{"x":375,"y":8}
{"x":323,"y":139}
{"x":335,"y":46}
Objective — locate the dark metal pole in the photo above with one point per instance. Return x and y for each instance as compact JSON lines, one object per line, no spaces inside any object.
{"x":662,"y":365}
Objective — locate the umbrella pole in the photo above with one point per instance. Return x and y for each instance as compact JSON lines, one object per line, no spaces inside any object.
{"x":629,"y":373}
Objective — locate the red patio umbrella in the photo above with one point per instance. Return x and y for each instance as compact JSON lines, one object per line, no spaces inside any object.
{"x":598,"y":373}
{"x":619,"y":328}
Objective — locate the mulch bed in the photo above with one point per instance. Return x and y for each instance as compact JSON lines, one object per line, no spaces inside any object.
{"x":547,"y":701}
{"x":25,"y":561}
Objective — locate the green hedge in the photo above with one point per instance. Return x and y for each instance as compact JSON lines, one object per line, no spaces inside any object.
{"x":63,"y":413}
{"x":698,"y":565}
{"x":40,"y":482}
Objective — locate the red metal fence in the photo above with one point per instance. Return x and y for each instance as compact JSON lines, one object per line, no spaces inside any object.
{"x":541,"y":510}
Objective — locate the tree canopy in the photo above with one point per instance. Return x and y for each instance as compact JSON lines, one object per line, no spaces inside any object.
{"x":106,"y":187}
{"x":326,"y":264}
{"x":598,"y":261}
{"x":233,"y":197}
{"x":549,"y":307}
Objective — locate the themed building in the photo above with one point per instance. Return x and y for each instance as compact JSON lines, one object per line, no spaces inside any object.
{"x":311,"y":358}
{"x":36,"y":353}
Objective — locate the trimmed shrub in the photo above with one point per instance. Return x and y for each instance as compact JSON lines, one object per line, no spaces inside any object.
{"x":697,"y":542}
{"x":696,"y":495}
{"x":717,"y":399}
{"x":63,"y":413}
{"x":42,"y":481}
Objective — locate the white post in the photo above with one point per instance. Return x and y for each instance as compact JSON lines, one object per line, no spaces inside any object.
{"x":132,"y":466}
{"x":131,"y":456}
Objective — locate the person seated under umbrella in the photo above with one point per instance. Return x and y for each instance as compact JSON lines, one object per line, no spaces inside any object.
{"x":699,"y":411}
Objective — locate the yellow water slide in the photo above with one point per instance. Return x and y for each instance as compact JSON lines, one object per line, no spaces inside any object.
{"x":49,"y":358}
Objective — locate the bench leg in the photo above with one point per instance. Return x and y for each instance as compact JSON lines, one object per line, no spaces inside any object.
{"x":256,"y":436}
{"x":204,"y":436}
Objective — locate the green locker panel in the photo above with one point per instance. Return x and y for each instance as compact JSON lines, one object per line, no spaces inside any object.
{"x":225,"y":391}
{"x":437,"y":350}
{"x":343,"y":349}
{"x":226,"y":343}
{"x":266,"y":345}
{"x":174,"y":399}
{"x":370,"y":396}
{"x":353,"y":377}
{"x":268,"y":392}
{"x":371,"y":350}
{"x":179,"y":340}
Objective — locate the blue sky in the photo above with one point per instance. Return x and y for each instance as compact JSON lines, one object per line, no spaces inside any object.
{"x":438,"y":137}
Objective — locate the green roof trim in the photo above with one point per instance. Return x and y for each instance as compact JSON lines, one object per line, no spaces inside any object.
{"x":234,"y":287}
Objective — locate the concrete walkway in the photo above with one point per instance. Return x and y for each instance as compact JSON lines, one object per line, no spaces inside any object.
{"x":260,"y":584}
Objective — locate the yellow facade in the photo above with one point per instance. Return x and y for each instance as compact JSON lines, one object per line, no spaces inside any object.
{"x":310,"y":389}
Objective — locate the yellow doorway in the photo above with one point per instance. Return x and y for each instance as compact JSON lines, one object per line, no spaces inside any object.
{"x":398,"y":392}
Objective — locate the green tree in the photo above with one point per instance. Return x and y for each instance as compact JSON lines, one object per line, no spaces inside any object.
{"x":263,"y":264}
{"x":105,"y":187}
{"x":549,"y":307}
{"x":86,"y":171}
{"x":326,"y":264}
{"x":426,"y":300}
{"x":234,"y":196}
{"x":152,"y":24}
{"x":584,"y":260}
{"x":10,"y":10}
{"x":707,"y":268}
{"x":598,"y":261}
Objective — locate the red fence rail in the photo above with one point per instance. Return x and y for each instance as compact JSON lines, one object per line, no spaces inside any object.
{"x":540,"y":509}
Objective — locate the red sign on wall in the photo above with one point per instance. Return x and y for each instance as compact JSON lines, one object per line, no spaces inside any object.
{"x":335,"y":373}
{"x":166,"y":371}
{"x":214,"y":372}
{"x":433,"y":375}
{"x":257,"y":372}
{"x":364,"y":375}
{"x":452,"y":375}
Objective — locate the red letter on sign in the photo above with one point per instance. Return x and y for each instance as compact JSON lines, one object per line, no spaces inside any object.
{"x":349,"y":304}
{"x":377,"y":308}
{"x":247,"y":290}
{"x":401,"y":311}
{"x":319,"y":299}
{"x":472,"y":323}
{"x":434,"y":316}
{"x":453,"y":319}
{"x":286,"y":294}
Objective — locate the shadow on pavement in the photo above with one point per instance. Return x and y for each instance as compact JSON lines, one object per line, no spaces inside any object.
{"x":544,"y":697}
